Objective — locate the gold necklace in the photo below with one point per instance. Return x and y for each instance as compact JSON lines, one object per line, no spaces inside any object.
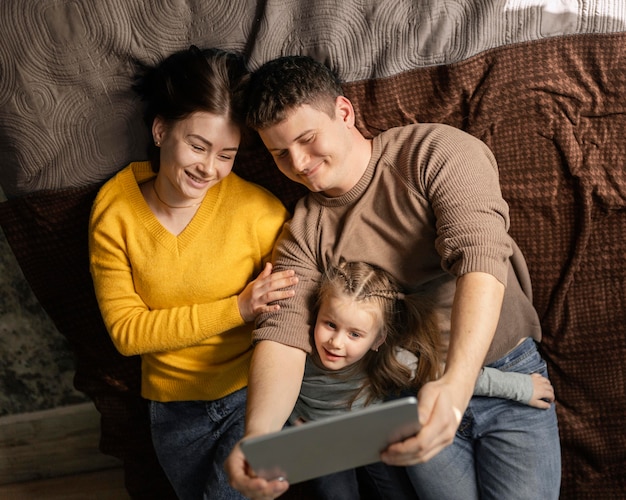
{"x":167,"y":204}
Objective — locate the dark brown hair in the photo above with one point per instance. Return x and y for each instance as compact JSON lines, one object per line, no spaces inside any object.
{"x":283,"y":84}
{"x":191,"y":80}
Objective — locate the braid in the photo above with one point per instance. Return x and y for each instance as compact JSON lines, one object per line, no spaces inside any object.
{"x":385,"y":294}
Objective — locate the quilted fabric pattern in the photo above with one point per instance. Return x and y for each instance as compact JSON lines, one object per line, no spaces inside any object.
{"x":68,"y":118}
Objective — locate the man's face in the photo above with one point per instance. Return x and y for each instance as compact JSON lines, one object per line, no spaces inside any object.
{"x":313,"y":149}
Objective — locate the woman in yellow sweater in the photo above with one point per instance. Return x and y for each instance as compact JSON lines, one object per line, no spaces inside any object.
{"x":175,"y":245}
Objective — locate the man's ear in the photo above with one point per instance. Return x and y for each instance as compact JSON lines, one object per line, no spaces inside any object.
{"x":344,"y":110}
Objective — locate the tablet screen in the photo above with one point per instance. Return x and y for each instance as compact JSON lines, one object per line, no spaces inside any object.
{"x":332,"y":444}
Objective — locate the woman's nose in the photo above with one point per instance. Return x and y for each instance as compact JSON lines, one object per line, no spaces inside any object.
{"x":207,"y":167}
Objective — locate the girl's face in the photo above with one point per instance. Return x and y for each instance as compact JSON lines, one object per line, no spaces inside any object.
{"x":345,"y":331}
{"x":196,"y":153}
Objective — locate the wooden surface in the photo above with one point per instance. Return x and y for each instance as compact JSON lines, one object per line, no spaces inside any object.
{"x":102,"y":485}
{"x":51,"y":443}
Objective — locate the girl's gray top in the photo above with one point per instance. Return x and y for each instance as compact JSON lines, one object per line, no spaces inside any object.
{"x":325,"y":393}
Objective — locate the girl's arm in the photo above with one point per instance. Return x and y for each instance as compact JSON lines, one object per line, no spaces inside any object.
{"x":533,"y":390}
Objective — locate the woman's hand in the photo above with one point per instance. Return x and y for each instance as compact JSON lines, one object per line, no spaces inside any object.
{"x":260,"y":294}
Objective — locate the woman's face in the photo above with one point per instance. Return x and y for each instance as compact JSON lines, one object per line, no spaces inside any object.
{"x":196,"y":153}
{"x":345,"y":331}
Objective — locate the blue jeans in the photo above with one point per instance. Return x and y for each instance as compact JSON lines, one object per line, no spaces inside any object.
{"x":376,"y":481}
{"x":502,"y":449}
{"x":192,"y":440}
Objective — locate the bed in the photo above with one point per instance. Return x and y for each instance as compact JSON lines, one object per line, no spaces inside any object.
{"x":542,"y":82}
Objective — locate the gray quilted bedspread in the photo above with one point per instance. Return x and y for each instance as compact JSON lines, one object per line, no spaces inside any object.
{"x":67,"y":117}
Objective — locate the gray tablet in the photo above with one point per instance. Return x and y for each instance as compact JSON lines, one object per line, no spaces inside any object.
{"x":333,"y":444}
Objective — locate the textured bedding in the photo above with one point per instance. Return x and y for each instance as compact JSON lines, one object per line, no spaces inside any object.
{"x":67,"y":117}
{"x":543,"y":83}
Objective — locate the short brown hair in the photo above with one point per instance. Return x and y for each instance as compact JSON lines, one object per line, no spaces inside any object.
{"x":285,"y":83}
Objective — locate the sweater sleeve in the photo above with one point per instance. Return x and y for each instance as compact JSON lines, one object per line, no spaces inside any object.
{"x":268,"y":227}
{"x":462,"y":184}
{"x":495,"y":383}
{"x":294,"y":250}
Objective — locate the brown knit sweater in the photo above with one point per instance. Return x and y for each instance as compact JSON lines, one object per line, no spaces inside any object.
{"x":428,"y":209}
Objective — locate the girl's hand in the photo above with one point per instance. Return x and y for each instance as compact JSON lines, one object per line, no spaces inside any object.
{"x":543,"y":392}
{"x":260,"y":294}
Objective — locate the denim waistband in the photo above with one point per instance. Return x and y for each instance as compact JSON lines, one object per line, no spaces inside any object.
{"x":527,"y":347}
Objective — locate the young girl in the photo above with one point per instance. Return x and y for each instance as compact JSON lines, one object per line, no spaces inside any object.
{"x":174,"y":245}
{"x":363,"y":354}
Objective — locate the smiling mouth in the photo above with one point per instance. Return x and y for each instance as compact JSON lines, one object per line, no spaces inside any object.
{"x":312,"y":171}
{"x":194,"y":178}
{"x":330,"y":355}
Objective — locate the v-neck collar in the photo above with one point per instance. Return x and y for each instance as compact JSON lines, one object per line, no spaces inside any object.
{"x":142,"y":172}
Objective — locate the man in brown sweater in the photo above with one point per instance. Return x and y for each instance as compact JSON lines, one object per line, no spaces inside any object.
{"x":423,"y":202}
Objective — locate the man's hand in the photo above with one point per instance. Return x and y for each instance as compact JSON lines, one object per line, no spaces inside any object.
{"x":440,"y":408}
{"x":242,"y":478}
{"x":276,"y":374}
{"x":441,"y":403}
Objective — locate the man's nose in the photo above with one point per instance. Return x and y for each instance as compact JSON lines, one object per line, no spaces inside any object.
{"x":299,"y":160}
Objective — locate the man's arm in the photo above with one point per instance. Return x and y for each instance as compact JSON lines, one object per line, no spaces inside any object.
{"x":475,"y":314}
{"x":275,"y":378}
{"x":274,"y":384}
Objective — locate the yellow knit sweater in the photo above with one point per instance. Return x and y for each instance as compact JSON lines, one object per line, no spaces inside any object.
{"x":173,"y":299}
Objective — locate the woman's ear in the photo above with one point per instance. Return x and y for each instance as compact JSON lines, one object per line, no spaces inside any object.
{"x":158,"y":130}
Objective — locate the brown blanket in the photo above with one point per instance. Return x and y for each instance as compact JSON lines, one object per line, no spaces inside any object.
{"x":554,"y":113}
